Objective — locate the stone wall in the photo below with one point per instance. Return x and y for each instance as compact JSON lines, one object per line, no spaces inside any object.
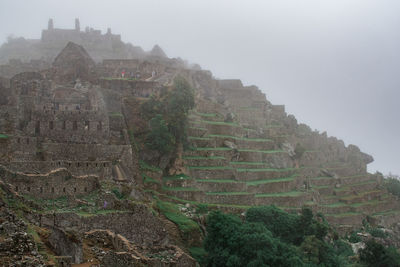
{"x":130,"y":87}
{"x":54,"y":184}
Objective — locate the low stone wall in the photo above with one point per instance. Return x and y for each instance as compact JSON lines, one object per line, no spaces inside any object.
{"x":276,"y":187}
{"x":264,"y":175}
{"x":54,"y":184}
{"x":139,"y":225}
{"x":213,"y":174}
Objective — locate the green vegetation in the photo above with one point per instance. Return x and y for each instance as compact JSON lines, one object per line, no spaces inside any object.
{"x":203,"y":158}
{"x":262,"y":151}
{"x":171,"y":211}
{"x":147,"y":167}
{"x":159,"y":137}
{"x":228,"y":193}
{"x":376,"y":255}
{"x":213,"y":168}
{"x":115,"y":114}
{"x":284,"y":194}
{"x":3,"y":136}
{"x":166,"y":188}
{"x":258,"y":182}
{"x":271,"y":237}
{"x":168,"y":116}
{"x":392,"y":184}
{"x":216,"y":181}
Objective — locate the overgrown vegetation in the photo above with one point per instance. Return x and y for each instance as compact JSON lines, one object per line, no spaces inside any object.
{"x":168,"y":116}
{"x":272,"y":237}
{"x":392,"y":183}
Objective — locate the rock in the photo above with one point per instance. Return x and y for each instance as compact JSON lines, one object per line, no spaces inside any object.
{"x":289,"y":148}
{"x":230,"y":144}
{"x":357,"y":246}
{"x":66,"y":244}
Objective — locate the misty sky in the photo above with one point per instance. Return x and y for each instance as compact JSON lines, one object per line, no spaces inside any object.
{"x":334,"y":63}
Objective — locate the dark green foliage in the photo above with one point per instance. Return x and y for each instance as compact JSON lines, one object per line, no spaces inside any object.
{"x":299,"y":151}
{"x":232,"y":243}
{"x":393,"y":185}
{"x":377,"y":232}
{"x":179,"y":102}
{"x":376,"y":255}
{"x":159,"y":137}
{"x":272,"y":237}
{"x":279,"y":222}
{"x":117,"y":193}
{"x":168,"y":116}
{"x":354,"y":238}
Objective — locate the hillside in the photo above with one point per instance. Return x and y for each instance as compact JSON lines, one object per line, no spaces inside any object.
{"x":119,"y":162}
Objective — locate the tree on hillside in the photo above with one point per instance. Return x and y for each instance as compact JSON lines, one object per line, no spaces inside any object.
{"x":159,"y":137}
{"x":178,"y":103}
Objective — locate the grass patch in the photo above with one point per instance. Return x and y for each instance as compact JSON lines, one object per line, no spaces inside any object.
{"x":253,"y":183}
{"x":3,"y":136}
{"x":147,"y":167}
{"x":198,"y":253}
{"x":246,"y":163}
{"x":262,"y":151}
{"x":198,"y":128}
{"x":171,"y":211}
{"x":211,"y":168}
{"x":199,"y":138}
{"x":216,"y":181}
{"x":265,"y":170}
{"x":284,"y":194}
{"x":212,"y":148}
{"x":202,"y":158}
{"x":228,"y":193}
{"x":240,"y":138}
{"x":115,"y":114}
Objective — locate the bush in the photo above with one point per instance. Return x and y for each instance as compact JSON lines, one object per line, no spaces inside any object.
{"x":376,"y":255}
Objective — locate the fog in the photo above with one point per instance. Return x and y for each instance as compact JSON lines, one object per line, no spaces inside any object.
{"x":334,"y":63}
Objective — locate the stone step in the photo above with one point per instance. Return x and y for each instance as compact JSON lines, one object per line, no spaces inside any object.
{"x":278,"y":157}
{"x":220,"y":185}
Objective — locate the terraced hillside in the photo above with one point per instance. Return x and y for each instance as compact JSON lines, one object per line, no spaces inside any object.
{"x":246,"y":152}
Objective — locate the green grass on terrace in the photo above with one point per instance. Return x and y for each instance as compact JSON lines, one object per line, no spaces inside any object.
{"x":171,"y":211}
{"x":191,"y":189}
{"x":265,"y":170}
{"x":209,"y":168}
{"x":240,"y":138}
{"x":387,"y":212}
{"x":3,"y":136}
{"x":212,"y":148}
{"x":115,"y":114}
{"x":369,"y":203}
{"x":262,"y":151}
{"x":198,"y":138}
{"x":247,"y":163}
{"x":334,"y":205}
{"x":221,"y":123}
{"x":284,"y":194}
{"x":216,"y":181}
{"x":321,"y":177}
{"x":228,"y":193}
{"x":201,"y":157}
{"x":258,"y":182}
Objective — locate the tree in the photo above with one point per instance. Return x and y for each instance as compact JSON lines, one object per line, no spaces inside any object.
{"x":375,"y":254}
{"x":178,"y":103}
{"x":159,"y":137}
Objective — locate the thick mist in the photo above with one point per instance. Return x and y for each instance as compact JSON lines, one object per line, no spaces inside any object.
{"x":335,"y":64}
